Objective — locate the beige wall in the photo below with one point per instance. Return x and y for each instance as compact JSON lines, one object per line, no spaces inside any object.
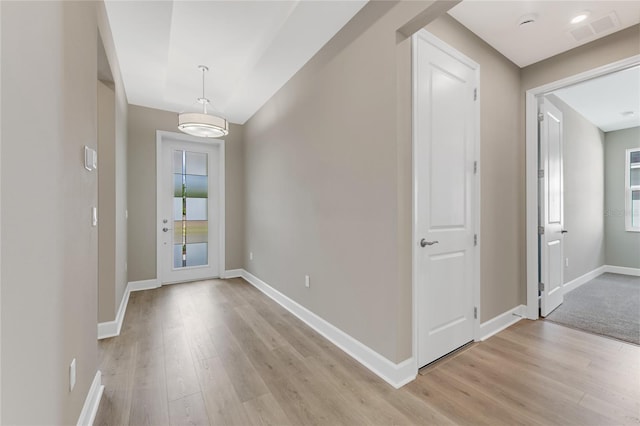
{"x":583,"y":171}
{"x":143,"y":123}
{"x":617,"y":46}
{"x":326,"y":175}
{"x":49,"y":270}
{"x":106,"y":203}
{"x":112,"y":183}
{"x":622,"y":246}
{"x":502,"y":244}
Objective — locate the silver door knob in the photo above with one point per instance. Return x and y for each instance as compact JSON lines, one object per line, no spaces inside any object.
{"x":424,"y":243}
{"x":165,"y":229}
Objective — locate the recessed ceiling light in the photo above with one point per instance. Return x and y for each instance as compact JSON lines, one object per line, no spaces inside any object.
{"x":579,"y":18}
{"x":529,"y":18}
{"x":628,"y":113}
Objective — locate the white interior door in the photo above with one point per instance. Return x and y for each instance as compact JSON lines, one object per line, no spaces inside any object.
{"x":551,"y":215}
{"x":190,"y":196}
{"x":445,"y":119}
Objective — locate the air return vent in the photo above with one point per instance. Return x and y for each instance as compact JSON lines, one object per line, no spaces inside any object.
{"x":595,"y":27}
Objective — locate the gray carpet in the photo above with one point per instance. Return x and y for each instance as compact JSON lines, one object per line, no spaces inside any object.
{"x":608,"y":305}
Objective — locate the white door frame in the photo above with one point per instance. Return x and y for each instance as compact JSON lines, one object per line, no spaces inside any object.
{"x":415,"y":250}
{"x":531,"y":153}
{"x":160,"y":136}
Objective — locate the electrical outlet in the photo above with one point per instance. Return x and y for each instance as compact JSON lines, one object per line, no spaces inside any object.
{"x":126,"y":267}
{"x":307,"y":282}
{"x":566,"y":262}
{"x":72,"y":375}
{"x":250,"y":255}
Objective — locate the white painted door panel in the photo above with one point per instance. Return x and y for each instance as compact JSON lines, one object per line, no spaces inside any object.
{"x":444,"y":156}
{"x":189,"y":220}
{"x":551,"y":208}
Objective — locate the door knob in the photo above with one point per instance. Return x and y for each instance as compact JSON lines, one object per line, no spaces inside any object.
{"x":564,"y":231}
{"x":165,"y":229}
{"x":424,"y":243}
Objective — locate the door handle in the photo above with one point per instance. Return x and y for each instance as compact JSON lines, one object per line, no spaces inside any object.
{"x":165,"y":229}
{"x":424,"y":243}
{"x":564,"y":231}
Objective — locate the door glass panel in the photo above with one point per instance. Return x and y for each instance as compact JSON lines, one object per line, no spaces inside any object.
{"x":634,"y":177}
{"x":190,"y":226}
{"x":197,"y":209}
{"x":635,"y":209}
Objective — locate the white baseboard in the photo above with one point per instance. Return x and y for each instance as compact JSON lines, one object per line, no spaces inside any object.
{"x":396,"y":375}
{"x":92,"y":401}
{"x":112,"y":328}
{"x":573,"y":284}
{"x":232,"y":273}
{"x":635,"y":272}
{"x":502,"y":321}
{"x":143,"y":285}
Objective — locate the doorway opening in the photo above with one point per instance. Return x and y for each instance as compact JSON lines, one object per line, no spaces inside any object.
{"x":536,"y":174}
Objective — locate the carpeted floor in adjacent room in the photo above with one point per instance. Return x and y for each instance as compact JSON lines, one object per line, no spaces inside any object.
{"x":608,"y":305}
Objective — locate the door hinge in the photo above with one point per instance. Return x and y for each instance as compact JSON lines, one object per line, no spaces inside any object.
{"x":475,"y":167}
{"x":541,"y":286}
{"x":540,"y":230}
{"x":540,"y":117}
{"x":540,"y":174}
{"x":475,"y":94}
{"x":475,"y":312}
{"x":475,"y":239}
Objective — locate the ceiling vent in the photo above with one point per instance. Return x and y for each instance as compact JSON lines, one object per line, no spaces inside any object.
{"x":595,"y":27}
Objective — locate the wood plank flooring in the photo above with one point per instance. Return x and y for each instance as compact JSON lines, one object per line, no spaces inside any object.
{"x":221,"y":353}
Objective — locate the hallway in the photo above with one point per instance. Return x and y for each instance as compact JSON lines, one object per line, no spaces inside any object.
{"x":220,"y":352}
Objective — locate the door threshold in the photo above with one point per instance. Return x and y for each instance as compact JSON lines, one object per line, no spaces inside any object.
{"x":444,"y":358}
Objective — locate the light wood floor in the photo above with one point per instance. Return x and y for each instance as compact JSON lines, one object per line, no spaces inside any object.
{"x":220,"y":352}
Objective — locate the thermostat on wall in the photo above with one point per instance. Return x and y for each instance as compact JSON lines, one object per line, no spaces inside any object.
{"x":90,"y":159}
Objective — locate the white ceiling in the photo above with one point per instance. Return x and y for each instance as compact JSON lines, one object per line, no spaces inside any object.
{"x":497,"y":23}
{"x":252,"y":48}
{"x":603,"y":100}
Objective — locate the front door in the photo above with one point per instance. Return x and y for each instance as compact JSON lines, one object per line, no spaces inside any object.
{"x":445,"y":120}
{"x":189,"y":191}
{"x":551,"y":214}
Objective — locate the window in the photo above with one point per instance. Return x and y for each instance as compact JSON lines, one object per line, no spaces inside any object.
{"x":632,"y":190}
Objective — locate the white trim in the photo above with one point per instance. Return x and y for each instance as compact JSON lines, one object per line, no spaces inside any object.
{"x":160,"y":135}
{"x":232,"y":273}
{"x":628,"y":192}
{"x":112,"y":328}
{"x":396,"y":375}
{"x":476,"y":207}
{"x":143,"y":285}
{"x":634,"y":272}
{"x":577,"y":282}
{"x":92,"y":401}
{"x":531,"y":174}
{"x":501,"y":322}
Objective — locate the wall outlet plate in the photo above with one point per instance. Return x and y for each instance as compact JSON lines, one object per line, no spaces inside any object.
{"x":307,"y":281}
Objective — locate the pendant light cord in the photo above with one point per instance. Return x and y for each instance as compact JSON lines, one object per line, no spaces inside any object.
{"x":203,"y":100}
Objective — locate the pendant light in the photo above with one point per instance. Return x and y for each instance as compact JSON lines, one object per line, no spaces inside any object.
{"x":202,"y":124}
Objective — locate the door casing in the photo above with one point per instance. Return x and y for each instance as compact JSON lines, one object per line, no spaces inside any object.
{"x":415,"y":244}
{"x":160,"y":136}
{"x":531,"y":154}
